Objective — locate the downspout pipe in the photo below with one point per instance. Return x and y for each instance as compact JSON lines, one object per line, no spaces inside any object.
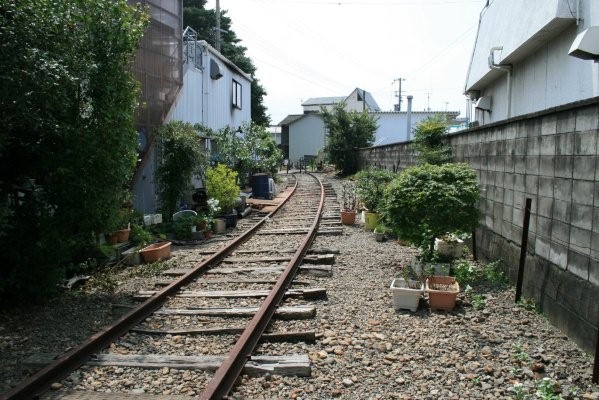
{"x":503,"y":67}
{"x":409,"y":117}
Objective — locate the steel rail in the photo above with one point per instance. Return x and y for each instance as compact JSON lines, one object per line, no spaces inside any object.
{"x":40,"y":382}
{"x":226,"y":375}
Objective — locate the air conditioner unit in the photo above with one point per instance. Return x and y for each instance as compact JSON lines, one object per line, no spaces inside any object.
{"x":586,"y":44}
{"x":483,"y":103}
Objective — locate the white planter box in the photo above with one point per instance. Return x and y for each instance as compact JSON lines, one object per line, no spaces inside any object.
{"x":451,"y":249}
{"x":403,"y":296}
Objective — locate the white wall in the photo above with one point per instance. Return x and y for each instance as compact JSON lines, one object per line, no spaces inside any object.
{"x":306,"y":136}
{"x":543,"y":74}
{"x":393,"y":126}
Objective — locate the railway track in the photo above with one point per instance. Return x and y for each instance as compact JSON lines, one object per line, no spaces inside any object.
{"x":207,"y":320}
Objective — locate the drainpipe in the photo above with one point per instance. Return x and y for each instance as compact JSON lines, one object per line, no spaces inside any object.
{"x":507,"y":68}
{"x":409,"y":116}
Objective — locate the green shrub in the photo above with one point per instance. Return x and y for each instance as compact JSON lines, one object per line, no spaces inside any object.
{"x":182,"y":226}
{"x":430,"y":141}
{"x":370,"y":186}
{"x":179,"y":158}
{"x":221,"y":185}
{"x":427,"y":201}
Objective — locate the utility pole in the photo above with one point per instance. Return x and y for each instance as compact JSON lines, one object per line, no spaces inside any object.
{"x":217,"y":37}
{"x":428,"y":101}
{"x":399,"y":93}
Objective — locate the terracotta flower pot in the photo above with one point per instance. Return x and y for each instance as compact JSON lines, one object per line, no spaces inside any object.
{"x":156,"y":252}
{"x":442,"y":292}
{"x":207,"y":234}
{"x":111,"y":238}
{"x":348,"y":217}
{"x":123,"y":235}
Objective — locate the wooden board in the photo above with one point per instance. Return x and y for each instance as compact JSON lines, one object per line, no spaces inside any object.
{"x":306,"y":336}
{"x":316,"y":293}
{"x":286,"y":313}
{"x":289,"y":365}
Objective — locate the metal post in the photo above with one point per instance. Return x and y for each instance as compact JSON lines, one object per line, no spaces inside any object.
{"x":596,"y":365}
{"x":523,"y":247}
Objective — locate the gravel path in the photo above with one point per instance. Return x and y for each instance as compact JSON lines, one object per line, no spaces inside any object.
{"x":365,"y":348}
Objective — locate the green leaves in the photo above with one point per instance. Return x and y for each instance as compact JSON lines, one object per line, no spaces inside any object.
{"x":221,"y":185}
{"x":430,"y":140}
{"x":428,"y":201}
{"x":347,"y":132}
{"x":179,"y":157}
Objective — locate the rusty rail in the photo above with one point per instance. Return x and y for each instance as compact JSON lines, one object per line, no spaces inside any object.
{"x":225,"y":377}
{"x":38,"y":383}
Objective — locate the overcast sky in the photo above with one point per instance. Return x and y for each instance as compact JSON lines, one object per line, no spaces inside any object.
{"x":320,"y":48}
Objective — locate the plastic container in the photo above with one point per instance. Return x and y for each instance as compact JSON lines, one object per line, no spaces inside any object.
{"x":405,"y":297}
{"x":260,"y":185}
{"x":156,"y":252}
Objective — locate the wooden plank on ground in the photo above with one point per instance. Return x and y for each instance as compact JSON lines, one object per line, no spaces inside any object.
{"x":236,"y":280}
{"x":315,"y":293}
{"x":304,"y":336}
{"x":286,"y":313}
{"x":287,"y":365}
{"x":319,"y":270}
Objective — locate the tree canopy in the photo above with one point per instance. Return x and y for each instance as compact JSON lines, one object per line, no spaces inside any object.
{"x":347,"y":132}
{"x":203,"y":21}
{"x":68,"y":145}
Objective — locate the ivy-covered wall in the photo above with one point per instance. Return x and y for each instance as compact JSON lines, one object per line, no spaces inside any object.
{"x":551,"y":157}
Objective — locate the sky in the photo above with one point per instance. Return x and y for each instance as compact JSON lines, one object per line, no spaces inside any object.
{"x":322,"y":48}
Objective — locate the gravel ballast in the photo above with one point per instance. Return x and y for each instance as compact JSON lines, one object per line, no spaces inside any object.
{"x":365,"y":349}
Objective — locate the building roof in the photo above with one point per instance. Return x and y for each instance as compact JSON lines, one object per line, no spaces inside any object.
{"x":291,"y":119}
{"x":370,"y":101}
{"x":321,"y":101}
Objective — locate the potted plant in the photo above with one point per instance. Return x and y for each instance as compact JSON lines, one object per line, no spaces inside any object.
{"x":442,"y":292}
{"x":348,"y":212}
{"x":449,"y":245}
{"x":379,"y":232}
{"x":221,"y":185}
{"x":370,"y":186}
{"x":406,"y":291}
{"x":426,"y":201}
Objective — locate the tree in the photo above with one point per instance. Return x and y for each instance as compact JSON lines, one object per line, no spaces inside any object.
{"x":347,"y":132}
{"x":203,"y":22}
{"x":179,"y":156}
{"x":430,"y":140}
{"x":248,"y":149}
{"x":68,"y":145}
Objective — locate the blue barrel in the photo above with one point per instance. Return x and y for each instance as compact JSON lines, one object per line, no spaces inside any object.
{"x":260,"y":186}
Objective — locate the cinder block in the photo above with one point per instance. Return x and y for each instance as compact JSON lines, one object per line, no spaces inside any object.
{"x":562,"y":211}
{"x":519,"y":182}
{"x":508,"y":163}
{"x":586,"y":119}
{"x":508,"y":197}
{"x":580,"y":240}
{"x":594,"y":272}
{"x":547,"y":165}
{"x":562,"y":189}
{"x":532,"y":184}
{"x":595,"y":245}
{"x":585,"y":143}
{"x":558,"y":255}
{"x":517,"y":217}
{"x":533,"y":146}
{"x":543,"y":228}
{"x":563,"y":166}
{"x":546,"y":186}
{"x":532,"y":165}
{"x":564,"y":144}
{"x":542,"y":247}
{"x":545,"y":208}
{"x":581,"y":216}
{"x":583,"y":192}
{"x":578,"y":264}
{"x":547,"y":146}
{"x":560,"y":232}
{"x":521,"y":146}
{"x":498,"y":195}
{"x":549,"y":124}
{"x":584,"y":167}
{"x":519,"y":164}
{"x":566,"y":121}
{"x":596,"y":218}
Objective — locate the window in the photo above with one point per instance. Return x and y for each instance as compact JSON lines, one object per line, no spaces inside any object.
{"x":236,"y":94}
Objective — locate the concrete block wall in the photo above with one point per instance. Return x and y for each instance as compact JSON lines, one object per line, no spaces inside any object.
{"x":551,"y":157}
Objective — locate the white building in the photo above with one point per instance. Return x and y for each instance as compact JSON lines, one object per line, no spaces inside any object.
{"x":305,"y":134}
{"x":215,"y":93}
{"x":521,"y":63}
